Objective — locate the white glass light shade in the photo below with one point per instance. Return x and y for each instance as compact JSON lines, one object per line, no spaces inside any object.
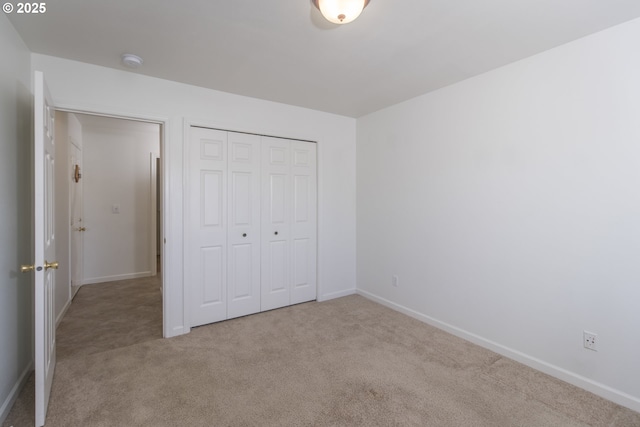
{"x":341,"y":11}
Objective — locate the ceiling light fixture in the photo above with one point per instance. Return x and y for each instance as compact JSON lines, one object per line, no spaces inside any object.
{"x":131,"y":61}
{"x":340,"y":11}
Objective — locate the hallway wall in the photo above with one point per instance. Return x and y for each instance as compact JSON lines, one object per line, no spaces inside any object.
{"x":117,"y":174}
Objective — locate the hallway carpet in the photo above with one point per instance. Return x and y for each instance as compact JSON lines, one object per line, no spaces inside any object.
{"x":344,"y":362}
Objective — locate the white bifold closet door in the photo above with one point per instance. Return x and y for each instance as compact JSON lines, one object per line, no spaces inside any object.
{"x":289,"y":205}
{"x":250,"y":226}
{"x":223,"y":266}
{"x":243,"y":232}
{"x":206,"y":260}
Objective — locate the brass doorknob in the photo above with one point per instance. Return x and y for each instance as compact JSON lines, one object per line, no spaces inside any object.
{"x":27,"y":268}
{"x":48,"y":265}
{"x":82,"y":229}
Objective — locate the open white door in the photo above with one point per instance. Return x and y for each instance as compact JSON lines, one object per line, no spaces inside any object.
{"x":45,"y":265}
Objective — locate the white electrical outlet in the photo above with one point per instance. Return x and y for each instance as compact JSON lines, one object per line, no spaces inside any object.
{"x":590,"y":340}
{"x":395,"y":281}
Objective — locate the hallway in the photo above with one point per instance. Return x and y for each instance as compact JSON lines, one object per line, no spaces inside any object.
{"x":111,"y":315}
{"x":102,"y":317}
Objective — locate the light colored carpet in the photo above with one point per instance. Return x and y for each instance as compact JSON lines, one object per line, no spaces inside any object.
{"x":345,"y":362}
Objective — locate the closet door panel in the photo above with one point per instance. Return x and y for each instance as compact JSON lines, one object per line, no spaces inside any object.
{"x":212,"y":264}
{"x":241,"y":257}
{"x":278,"y":278}
{"x":277,"y":198}
{"x":276,"y":217}
{"x":212,"y":198}
{"x":300,"y":263}
{"x":304,"y":221}
{"x":206,"y":264}
{"x":243,"y":234}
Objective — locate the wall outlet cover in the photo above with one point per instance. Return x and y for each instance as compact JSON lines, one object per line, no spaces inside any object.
{"x":590,"y":340}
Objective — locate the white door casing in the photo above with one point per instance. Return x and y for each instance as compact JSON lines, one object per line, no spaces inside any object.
{"x":206,"y":263}
{"x":243,"y":231}
{"x":44,"y":245}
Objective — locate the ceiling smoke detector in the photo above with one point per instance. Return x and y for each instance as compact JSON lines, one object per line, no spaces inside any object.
{"x":131,"y":61}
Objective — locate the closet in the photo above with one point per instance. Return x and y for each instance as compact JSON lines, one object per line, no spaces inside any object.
{"x":251,"y":224}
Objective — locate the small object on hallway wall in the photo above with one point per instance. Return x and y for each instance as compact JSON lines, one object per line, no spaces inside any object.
{"x":115,"y":209}
{"x":76,"y":173}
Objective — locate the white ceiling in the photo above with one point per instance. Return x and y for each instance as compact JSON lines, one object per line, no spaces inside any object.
{"x":284,"y":51}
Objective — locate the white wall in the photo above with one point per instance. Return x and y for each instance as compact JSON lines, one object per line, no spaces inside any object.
{"x":509,"y":206}
{"x":117,"y":171}
{"x":81,"y":86}
{"x":15,"y":224}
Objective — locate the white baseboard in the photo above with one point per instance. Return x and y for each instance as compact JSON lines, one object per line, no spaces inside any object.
{"x":74,"y":290}
{"x":93,"y":280}
{"x":63,"y":312}
{"x":333,"y":295}
{"x":602,"y":390}
{"x":178,"y":330}
{"x":13,"y":394}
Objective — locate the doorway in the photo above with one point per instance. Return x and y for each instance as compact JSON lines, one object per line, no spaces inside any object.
{"x":108,"y":201}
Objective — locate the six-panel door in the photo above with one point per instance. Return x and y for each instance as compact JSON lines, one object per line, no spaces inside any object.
{"x":243,"y":231}
{"x":276,"y":223}
{"x":288,"y":222}
{"x":44,"y":246}
{"x":206,"y":264}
